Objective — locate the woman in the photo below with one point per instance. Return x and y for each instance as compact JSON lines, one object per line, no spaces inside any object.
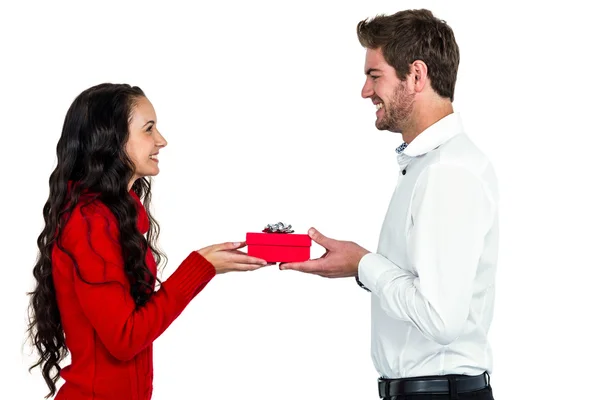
{"x":95,"y":294}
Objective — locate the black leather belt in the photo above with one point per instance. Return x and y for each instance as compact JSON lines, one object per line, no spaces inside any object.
{"x":432,"y":385}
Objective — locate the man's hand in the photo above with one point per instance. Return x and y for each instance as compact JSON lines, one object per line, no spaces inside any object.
{"x":340,"y":260}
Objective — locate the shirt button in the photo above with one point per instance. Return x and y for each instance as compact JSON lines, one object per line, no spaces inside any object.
{"x":403,"y":172}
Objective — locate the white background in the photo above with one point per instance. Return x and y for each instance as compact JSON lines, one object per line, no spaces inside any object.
{"x":239,"y":84}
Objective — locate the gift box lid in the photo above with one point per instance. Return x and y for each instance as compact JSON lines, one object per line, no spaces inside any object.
{"x":278,"y":239}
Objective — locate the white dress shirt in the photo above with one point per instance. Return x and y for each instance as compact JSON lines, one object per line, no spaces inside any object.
{"x":432,"y":277}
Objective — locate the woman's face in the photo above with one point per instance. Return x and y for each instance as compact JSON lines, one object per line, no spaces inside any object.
{"x":144,"y":140}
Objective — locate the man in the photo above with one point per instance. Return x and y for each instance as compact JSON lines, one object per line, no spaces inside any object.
{"x":432,"y":277}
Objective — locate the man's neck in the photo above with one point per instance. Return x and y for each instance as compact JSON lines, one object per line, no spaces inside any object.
{"x":424,"y":117}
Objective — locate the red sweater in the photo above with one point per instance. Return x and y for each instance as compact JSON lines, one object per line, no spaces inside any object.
{"x":109,"y":339}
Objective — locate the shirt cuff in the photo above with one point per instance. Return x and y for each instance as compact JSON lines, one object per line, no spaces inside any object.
{"x":371,"y":267}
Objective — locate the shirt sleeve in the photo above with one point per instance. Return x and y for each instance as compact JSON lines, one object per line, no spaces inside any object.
{"x":452,"y":213}
{"x":102,"y":289}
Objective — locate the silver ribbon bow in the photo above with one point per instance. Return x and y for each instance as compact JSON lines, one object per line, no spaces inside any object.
{"x":279,"y":227}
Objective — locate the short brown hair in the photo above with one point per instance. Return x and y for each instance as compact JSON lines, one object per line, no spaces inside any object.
{"x":411,"y":35}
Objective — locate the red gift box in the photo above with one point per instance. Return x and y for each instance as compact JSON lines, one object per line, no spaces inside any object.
{"x":279,"y":247}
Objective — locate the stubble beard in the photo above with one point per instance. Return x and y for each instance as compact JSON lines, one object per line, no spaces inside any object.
{"x":397,"y":112}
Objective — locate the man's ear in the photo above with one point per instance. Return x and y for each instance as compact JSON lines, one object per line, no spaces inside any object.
{"x":419,"y":74}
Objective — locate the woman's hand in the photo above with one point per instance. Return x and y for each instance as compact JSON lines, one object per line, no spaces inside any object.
{"x":226,"y":257}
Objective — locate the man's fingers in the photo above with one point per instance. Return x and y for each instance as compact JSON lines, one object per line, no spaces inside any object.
{"x":321,"y":239}
{"x":311,"y":266}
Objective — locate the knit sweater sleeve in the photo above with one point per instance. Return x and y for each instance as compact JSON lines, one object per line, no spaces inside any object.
{"x":102,"y":287}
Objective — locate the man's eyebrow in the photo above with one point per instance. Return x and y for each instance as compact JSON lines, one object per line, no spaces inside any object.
{"x":368,"y":72}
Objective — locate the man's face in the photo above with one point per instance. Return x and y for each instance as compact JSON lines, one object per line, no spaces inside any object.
{"x":391,"y":96}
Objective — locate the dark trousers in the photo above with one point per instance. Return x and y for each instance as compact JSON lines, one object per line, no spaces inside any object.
{"x":482,"y":394}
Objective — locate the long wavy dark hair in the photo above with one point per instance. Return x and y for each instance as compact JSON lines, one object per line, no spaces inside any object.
{"x":92,"y":159}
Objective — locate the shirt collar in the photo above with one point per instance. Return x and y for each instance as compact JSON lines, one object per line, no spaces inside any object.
{"x":434,"y":136}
